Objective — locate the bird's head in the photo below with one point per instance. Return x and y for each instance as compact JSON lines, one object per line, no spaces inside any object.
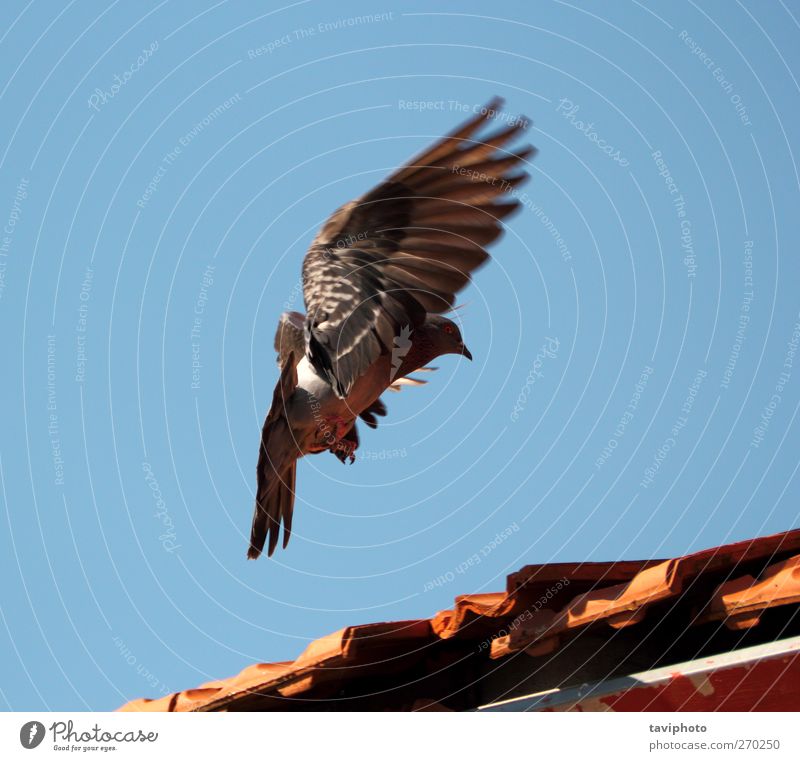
{"x":447,"y":336}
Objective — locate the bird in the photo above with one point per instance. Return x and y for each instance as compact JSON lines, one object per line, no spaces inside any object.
{"x":378,"y":279}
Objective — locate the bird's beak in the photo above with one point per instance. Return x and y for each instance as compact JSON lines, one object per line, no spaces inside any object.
{"x":465,"y":352}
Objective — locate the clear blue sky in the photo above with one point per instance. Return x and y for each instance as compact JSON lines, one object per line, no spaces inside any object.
{"x":145,"y":261}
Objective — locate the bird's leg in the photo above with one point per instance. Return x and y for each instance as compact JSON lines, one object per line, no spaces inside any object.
{"x":345,"y":447}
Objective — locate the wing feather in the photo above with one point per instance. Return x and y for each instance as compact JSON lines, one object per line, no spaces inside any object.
{"x":407,"y":247}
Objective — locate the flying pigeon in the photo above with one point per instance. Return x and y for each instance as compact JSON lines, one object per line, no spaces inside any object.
{"x":377,"y":279}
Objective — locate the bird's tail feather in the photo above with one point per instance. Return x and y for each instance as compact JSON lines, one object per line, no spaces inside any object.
{"x":274,"y":505}
{"x":276,"y":469}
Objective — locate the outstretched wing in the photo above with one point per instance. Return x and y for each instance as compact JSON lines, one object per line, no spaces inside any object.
{"x":407,"y":247}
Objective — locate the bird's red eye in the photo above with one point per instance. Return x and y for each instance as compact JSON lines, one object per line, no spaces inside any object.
{"x":448,"y":328}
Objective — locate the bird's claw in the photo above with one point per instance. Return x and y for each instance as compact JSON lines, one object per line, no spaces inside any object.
{"x":344,"y":449}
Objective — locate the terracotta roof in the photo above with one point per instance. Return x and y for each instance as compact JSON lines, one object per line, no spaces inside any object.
{"x":543,"y":607}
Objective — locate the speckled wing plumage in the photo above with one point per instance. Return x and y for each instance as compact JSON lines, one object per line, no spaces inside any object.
{"x":407,"y":247}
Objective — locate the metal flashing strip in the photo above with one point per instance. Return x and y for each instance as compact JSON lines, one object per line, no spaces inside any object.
{"x":696,"y":676}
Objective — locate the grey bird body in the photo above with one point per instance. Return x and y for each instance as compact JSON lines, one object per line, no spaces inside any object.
{"x":318,"y":417}
{"x":375,"y":281}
